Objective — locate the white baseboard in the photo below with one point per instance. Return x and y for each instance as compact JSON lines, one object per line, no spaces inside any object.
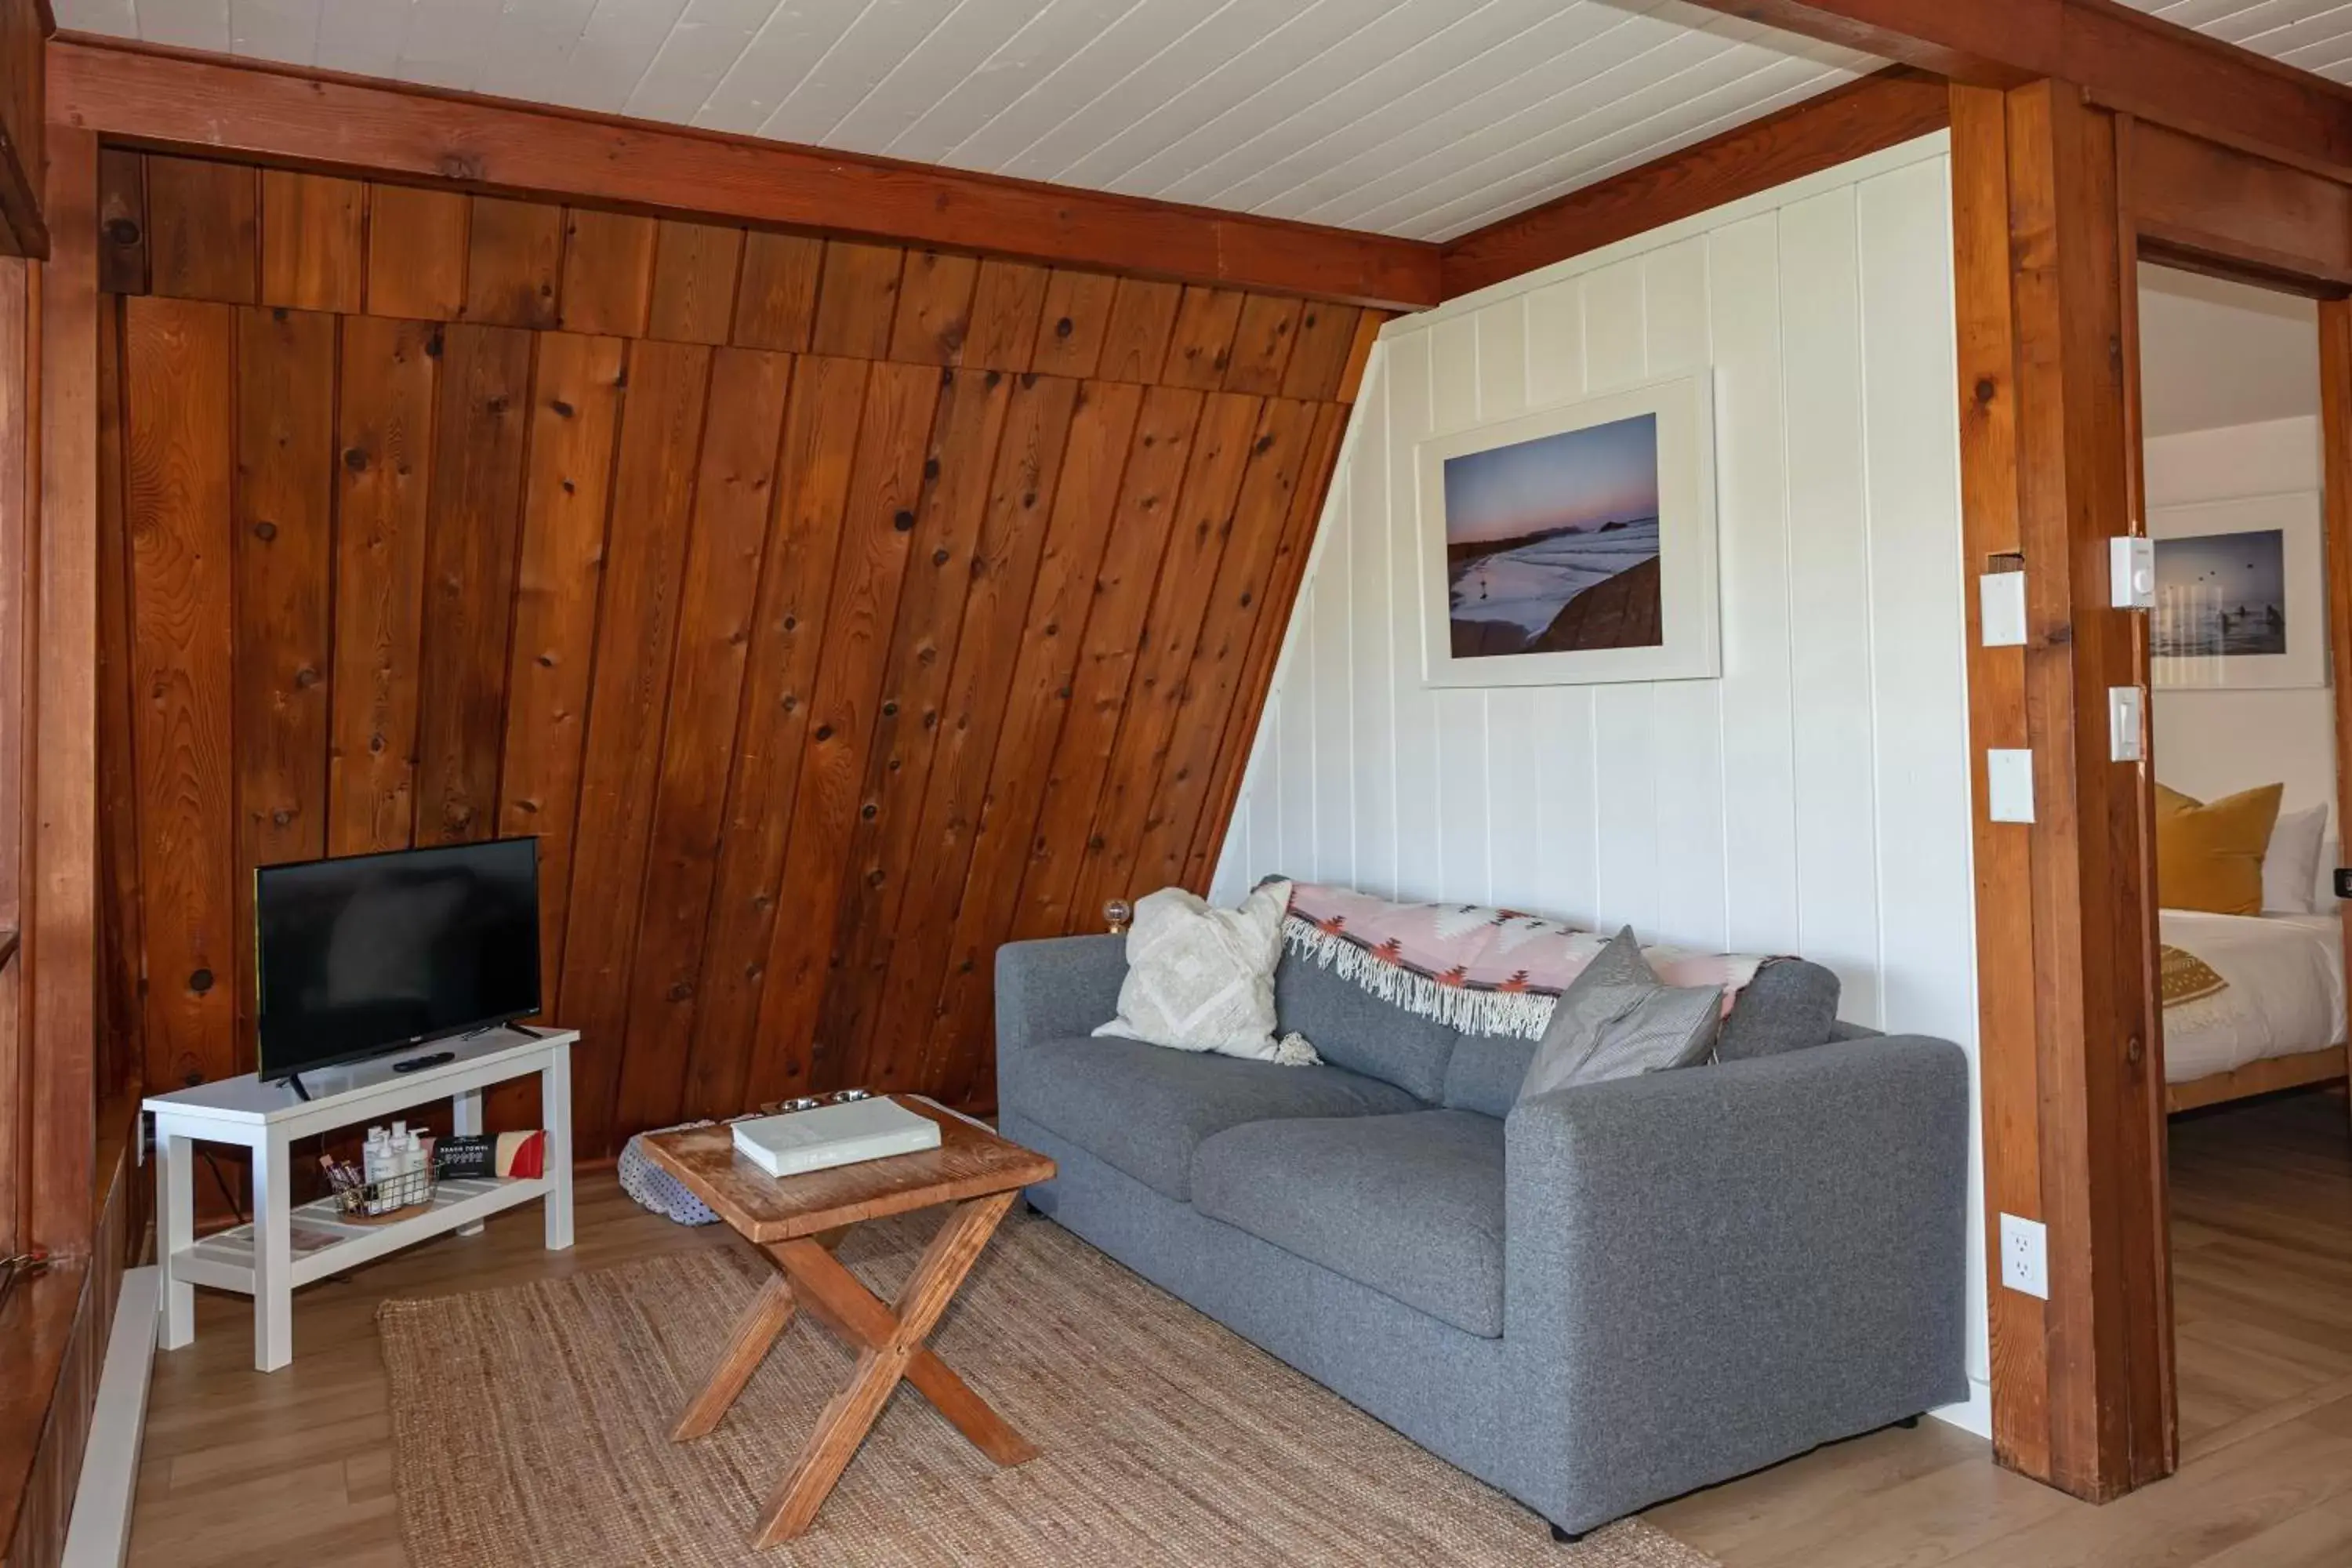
{"x":100,"y":1534}
{"x":1973,"y":1413}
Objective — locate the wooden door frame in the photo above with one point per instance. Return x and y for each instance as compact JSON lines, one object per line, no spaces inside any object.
{"x":2056,"y":199}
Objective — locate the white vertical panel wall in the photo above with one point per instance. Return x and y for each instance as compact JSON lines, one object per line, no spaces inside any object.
{"x":1814,"y":800}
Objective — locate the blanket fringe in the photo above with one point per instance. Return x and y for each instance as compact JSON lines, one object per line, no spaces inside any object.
{"x":1526,"y":1014}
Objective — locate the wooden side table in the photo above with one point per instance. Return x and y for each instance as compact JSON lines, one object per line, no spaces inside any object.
{"x":796,"y":1221}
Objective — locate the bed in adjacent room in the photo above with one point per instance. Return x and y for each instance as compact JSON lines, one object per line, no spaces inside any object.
{"x":2275,"y":1020}
{"x":2251,"y":966}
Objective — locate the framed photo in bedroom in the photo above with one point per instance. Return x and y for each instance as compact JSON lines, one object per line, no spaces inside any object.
{"x":1575,"y":544}
{"x":2241,"y":593}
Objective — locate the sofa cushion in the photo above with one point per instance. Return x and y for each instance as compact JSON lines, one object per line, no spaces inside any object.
{"x":1350,"y":1027}
{"x":1485,"y":1072}
{"x":1790,"y":1004}
{"x":1144,"y":1109}
{"x":1409,"y":1205}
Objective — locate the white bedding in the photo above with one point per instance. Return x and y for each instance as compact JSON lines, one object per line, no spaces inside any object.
{"x":2285,"y":994}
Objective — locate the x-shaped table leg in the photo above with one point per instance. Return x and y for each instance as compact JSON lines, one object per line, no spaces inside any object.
{"x":890,"y":1341}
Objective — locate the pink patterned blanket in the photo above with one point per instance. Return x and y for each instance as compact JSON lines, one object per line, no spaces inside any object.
{"x":1485,"y":971}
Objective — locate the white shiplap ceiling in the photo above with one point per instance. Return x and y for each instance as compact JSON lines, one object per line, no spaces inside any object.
{"x":2315,"y":35}
{"x":1420,"y":118}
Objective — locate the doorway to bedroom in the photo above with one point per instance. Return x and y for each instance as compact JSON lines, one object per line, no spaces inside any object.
{"x":2244,"y":750}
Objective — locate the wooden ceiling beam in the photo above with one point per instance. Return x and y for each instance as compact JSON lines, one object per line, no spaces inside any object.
{"x":1880,"y":111}
{"x":182,"y":101}
{"x":2123,"y":58}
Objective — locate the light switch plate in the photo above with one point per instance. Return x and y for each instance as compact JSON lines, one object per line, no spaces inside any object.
{"x":2009,"y":785}
{"x":2001,"y":596}
{"x":2131,"y":565}
{"x":2025,"y":1255}
{"x":2124,"y":704}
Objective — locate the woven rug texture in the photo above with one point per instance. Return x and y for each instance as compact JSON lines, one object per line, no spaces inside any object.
{"x":531,"y":1425}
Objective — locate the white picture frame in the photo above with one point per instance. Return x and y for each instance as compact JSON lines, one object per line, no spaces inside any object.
{"x":1537,"y":576}
{"x":2187,"y":615}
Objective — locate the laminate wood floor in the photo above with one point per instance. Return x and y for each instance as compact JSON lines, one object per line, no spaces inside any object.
{"x":295,"y":1467}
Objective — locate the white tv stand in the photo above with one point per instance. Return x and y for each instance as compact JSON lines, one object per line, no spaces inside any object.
{"x":257,"y":1259}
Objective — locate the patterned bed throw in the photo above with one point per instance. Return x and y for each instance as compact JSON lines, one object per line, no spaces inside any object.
{"x":2182,"y":976}
{"x":1484,"y":970}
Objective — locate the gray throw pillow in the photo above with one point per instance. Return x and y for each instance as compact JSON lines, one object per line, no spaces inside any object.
{"x":1616,"y":1020}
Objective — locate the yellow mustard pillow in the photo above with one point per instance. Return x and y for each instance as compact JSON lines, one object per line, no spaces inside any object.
{"x":2209,"y":856}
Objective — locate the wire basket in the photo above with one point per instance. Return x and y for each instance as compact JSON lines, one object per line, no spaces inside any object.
{"x":394,"y":1197}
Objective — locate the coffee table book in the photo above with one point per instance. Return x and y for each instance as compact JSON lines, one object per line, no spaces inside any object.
{"x":824,"y":1136}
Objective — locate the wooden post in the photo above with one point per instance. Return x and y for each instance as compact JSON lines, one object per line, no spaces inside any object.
{"x":2072,"y":1063}
{"x":61,"y":857}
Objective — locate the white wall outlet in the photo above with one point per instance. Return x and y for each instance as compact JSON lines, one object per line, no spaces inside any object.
{"x":2000,"y":598}
{"x":2025,"y":1255}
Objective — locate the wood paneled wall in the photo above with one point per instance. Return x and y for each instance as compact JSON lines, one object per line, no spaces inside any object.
{"x":830,"y":611}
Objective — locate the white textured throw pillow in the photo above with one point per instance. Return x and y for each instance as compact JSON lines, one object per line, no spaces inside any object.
{"x":2290,"y":863}
{"x":1199,"y":979}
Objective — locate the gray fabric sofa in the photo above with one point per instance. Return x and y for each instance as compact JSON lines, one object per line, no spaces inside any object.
{"x":1603,"y":1298}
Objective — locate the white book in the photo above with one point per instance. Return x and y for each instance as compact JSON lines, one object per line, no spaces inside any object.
{"x":830,"y":1135}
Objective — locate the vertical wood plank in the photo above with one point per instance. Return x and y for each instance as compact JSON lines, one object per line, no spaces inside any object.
{"x":694,"y":266}
{"x":416,"y":246}
{"x":312,"y":240}
{"x":59,"y":962}
{"x":284,"y":534}
{"x":1135,"y":334}
{"x":1203,"y":523}
{"x":637,"y":634}
{"x":1140,"y":529}
{"x":1360,"y":355}
{"x":1005,"y":301}
{"x":1076,"y":316}
{"x":1102,"y":433}
{"x":121,"y":221}
{"x":203,"y":229}
{"x":19,"y":544}
{"x":734,"y":500}
{"x":813,"y":470}
{"x":1245,"y":574}
{"x":178,"y":395}
{"x":283,"y":527}
{"x":574,"y":422}
{"x":1201,"y":343}
{"x":965,"y":436}
{"x":469,"y":568}
{"x":1021,"y":498}
{"x":934,"y":308}
{"x":384,"y":442}
{"x":1270,"y":617}
{"x":1263,"y":340}
{"x":1318,"y":359}
{"x":608,"y":271}
{"x":775,"y":304}
{"x":121,"y":933}
{"x":514,"y":256}
{"x":857,"y":300}
{"x":845,"y":704}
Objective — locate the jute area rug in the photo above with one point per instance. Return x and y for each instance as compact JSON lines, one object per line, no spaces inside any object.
{"x":532,"y":1432}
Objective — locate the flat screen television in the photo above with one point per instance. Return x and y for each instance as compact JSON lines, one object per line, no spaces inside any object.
{"x":370,"y":953}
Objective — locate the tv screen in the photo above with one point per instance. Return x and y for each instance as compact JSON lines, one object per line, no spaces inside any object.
{"x":373,"y":952}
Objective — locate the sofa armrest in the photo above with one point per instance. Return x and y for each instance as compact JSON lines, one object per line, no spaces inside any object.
{"x":1053,"y":989}
{"x":1711,"y":1269}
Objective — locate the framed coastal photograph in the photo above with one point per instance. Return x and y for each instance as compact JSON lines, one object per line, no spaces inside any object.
{"x":1573,"y":545}
{"x":2241,"y":590}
